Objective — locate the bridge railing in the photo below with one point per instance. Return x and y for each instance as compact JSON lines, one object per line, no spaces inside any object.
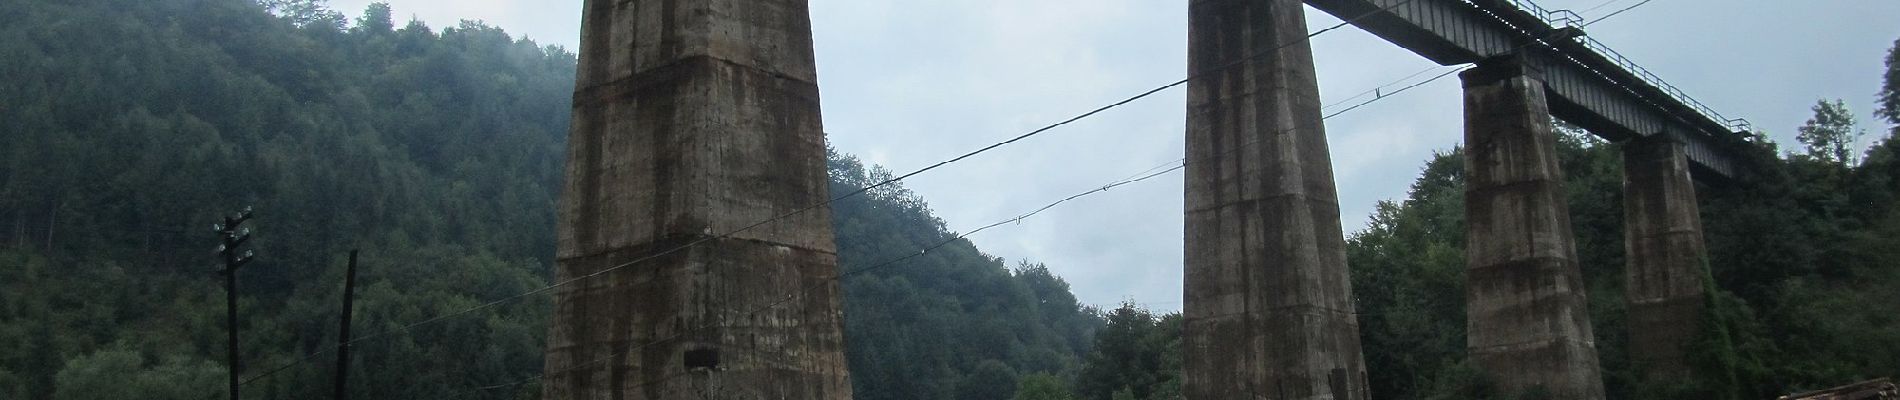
{"x":1570,"y":19}
{"x":1734,"y":124}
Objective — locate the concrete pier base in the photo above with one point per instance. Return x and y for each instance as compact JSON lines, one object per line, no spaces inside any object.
{"x":1269,"y":311}
{"x":1528,"y":323}
{"x":692,"y":119}
{"x":1663,"y":242}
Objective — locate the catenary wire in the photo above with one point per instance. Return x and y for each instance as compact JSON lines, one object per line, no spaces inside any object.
{"x":1378,"y":91}
{"x":1176,"y":165}
{"x":954,"y":160}
{"x":1147,"y":175}
{"x":1607,"y":16}
{"x":929,"y":168}
{"x":854,"y":193}
{"x":1599,"y":6}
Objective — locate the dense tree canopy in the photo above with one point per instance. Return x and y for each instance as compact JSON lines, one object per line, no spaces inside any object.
{"x":1831,"y":136}
{"x":131,"y":126}
{"x":1804,"y":262}
{"x":1889,"y":96}
{"x":127,"y":127}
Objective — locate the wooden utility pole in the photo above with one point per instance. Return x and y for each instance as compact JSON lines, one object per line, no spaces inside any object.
{"x":343,"y":339}
{"x":52,"y":219}
{"x":232,"y":260}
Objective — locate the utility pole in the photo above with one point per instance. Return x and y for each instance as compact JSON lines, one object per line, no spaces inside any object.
{"x":233,"y":237}
{"x":52,"y":219}
{"x":343,"y":339}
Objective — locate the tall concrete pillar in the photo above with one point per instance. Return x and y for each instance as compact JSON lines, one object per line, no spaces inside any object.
{"x":691,"y":119}
{"x":1269,"y":311}
{"x":1663,"y":242}
{"x":1528,"y":323}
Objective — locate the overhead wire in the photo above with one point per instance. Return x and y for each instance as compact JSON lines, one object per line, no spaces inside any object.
{"x":1378,"y":91}
{"x":853,"y":193}
{"x":1151,"y":173}
{"x":1145,"y":175}
{"x":1402,"y":89}
{"x":1607,"y":16}
{"x":1598,"y":6}
{"x":1133,"y":179}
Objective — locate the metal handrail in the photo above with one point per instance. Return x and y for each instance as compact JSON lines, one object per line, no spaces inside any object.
{"x":1570,"y":19}
{"x":1736,"y":124}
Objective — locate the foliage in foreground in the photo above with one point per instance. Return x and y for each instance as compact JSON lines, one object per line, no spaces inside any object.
{"x":1803,"y":270}
{"x":129,"y":126}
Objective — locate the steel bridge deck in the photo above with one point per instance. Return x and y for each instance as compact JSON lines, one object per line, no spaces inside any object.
{"x":1587,"y":84}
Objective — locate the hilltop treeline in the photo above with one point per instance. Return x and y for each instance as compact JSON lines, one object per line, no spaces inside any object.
{"x":1804,"y":288}
{"x":128,"y":127}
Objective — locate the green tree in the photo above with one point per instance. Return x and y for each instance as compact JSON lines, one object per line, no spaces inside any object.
{"x":306,"y":13}
{"x":438,"y":152}
{"x":1137,"y":354}
{"x":376,"y":19}
{"x":992,"y":380}
{"x":1889,"y":96}
{"x":123,"y":374}
{"x":1042,"y":386}
{"x":1831,"y":135}
{"x":950,"y":323}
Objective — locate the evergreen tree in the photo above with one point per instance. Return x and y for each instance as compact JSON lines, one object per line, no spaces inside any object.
{"x":1889,"y":96}
{"x":438,"y":151}
{"x":1043,"y":387}
{"x":1136,"y":356}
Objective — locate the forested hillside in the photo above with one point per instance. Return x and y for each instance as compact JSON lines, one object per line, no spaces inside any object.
{"x":1804,"y":268}
{"x":128,"y":127}
{"x":1804,"y":276}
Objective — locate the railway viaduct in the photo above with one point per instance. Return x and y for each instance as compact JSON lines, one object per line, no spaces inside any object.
{"x":695,"y":119}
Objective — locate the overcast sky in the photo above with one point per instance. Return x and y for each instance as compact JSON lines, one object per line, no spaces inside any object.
{"x":909,"y":83}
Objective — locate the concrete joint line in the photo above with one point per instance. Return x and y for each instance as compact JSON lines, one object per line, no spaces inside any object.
{"x":607,"y":92}
{"x":1257,"y":200}
{"x":1534,"y":184}
{"x":1527,"y":345}
{"x":1664,"y":299}
{"x":1521,"y":262}
{"x":1671,"y":232}
{"x":682,"y":242}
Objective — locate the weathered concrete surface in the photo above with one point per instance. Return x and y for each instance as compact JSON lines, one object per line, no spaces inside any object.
{"x":1528,"y":324}
{"x":1269,"y":312}
{"x":694,"y":118}
{"x":1662,"y":233}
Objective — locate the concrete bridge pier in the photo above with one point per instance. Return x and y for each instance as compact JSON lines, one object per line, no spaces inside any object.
{"x":1269,"y":311}
{"x":693,"y":119}
{"x":1666,"y":255}
{"x":1528,"y":323}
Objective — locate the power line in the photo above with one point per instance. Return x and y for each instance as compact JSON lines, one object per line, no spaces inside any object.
{"x":1378,"y":91}
{"x":1598,"y":6}
{"x":1402,"y":89}
{"x":1148,"y":174}
{"x":1600,"y":19}
{"x":853,"y":193}
{"x":1139,"y":178}
{"x":886,"y":264}
{"x":1145,"y":175}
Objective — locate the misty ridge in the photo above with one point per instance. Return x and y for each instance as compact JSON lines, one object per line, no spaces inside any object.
{"x":128,"y":128}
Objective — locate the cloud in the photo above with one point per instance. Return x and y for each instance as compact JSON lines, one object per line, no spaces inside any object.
{"x":910,"y":83}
